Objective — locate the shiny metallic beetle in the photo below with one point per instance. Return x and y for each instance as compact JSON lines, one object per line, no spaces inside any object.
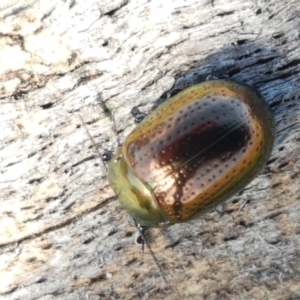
{"x":193,"y":152}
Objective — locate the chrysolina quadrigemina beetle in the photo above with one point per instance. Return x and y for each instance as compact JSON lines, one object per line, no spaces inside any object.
{"x":193,"y":152}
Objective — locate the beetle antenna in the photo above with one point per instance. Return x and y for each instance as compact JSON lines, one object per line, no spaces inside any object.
{"x":141,"y":229}
{"x":93,"y":142}
{"x":109,"y":113}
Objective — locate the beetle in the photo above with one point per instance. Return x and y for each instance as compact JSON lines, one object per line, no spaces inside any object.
{"x":195,"y":151}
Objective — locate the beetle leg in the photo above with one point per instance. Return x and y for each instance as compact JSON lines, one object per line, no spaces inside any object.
{"x":142,"y":229}
{"x":140,"y":239}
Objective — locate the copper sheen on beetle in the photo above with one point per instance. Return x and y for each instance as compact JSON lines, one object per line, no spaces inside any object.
{"x":193,"y":152}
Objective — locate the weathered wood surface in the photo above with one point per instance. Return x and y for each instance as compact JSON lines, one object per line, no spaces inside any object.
{"x":61,"y":235}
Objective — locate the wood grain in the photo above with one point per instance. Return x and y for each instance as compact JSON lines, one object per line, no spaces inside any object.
{"x":62,"y":233}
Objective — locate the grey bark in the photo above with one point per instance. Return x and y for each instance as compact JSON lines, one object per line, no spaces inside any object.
{"x":62,"y":235}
